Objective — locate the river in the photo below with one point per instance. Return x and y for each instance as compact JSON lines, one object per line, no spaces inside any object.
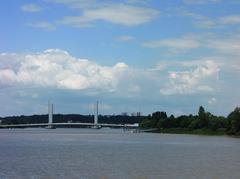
{"x":112,"y":153}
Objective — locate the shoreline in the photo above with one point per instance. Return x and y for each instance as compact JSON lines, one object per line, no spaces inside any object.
{"x":194,"y":132}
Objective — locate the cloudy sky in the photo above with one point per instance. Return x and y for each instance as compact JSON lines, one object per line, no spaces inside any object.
{"x":131,"y":55}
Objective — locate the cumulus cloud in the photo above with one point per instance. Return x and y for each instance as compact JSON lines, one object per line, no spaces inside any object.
{"x":31,"y":8}
{"x":195,"y":80}
{"x":54,"y":72}
{"x":56,"y":68}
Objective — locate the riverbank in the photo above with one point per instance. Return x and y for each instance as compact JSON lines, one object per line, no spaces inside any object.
{"x":188,"y":131}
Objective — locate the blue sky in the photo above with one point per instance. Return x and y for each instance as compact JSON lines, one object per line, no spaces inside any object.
{"x":131,"y":55}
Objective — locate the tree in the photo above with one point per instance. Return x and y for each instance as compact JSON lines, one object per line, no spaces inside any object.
{"x":202,"y":116}
{"x":158,"y":119}
{"x":146,"y":122}
{"x":234,"y":121}
{"x":195,"y":124}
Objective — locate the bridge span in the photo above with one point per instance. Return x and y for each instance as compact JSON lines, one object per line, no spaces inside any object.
{"x":52,"y":124}
{"x":67,"y":124}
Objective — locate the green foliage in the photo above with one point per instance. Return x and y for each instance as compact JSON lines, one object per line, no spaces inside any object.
{"x":203,"y":117}
{"x":146,"y":123}
{"x":234,"y":121}
{"x":158,"y":119}
{"x":203,"y":123}
{"x":215,"y":123}
{"x":195,"y":124}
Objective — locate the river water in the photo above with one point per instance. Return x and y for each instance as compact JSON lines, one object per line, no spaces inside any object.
{"x":112,"y":153}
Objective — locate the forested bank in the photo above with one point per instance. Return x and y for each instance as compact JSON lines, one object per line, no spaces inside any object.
{"x":73,"y":118}
{"x":203,"y":123}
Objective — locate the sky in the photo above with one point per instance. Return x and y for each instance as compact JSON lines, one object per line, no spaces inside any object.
{"x":130,"y":55}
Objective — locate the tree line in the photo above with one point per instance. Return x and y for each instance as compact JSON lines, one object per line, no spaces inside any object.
{"x":74,"y":118}
{"x":204,"y":121}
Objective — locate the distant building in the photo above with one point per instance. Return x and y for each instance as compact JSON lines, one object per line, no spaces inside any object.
{"x":138,"y":113}
{"x":124,"y":114}
{"x":133,"y":114}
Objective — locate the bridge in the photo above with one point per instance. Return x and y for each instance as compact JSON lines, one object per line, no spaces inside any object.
{"x":52,"y":124}
{"x":67,"y":124}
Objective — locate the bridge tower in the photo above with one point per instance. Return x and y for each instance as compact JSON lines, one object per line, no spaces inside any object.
{"x":96,"y":114}
{"x":50,"y":113}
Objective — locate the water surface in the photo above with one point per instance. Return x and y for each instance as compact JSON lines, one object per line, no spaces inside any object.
{"x":111,"y":153}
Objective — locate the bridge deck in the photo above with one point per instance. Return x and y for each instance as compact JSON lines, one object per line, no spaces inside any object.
{"x":66,"y":124}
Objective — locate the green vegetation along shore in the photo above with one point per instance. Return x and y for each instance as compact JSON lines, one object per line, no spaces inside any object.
{"x":204,"y":123}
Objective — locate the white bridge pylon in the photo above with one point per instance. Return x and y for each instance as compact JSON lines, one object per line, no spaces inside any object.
{"x":50,"y":113}
{"x":96,"y":113}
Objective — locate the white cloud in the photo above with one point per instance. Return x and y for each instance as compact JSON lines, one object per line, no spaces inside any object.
{"x":125,"y":13}
{"x":222,"y":45}
{"x":56,"y":68}
{"x":202,"y":21}
{"x":31,"y":8}
{"x":200,"y":1}
{"x":125,"y":38}
{"x":116,"y":13}
{"x":192,"y":15}
{"x":83,"y":4}
{"x":77,"y":4}
{"x":43,"y":25}
{"x":212,"y":101}
{"x":38,"y":76}
{"x":230,"y":20}
{"x":138,"y":1}
{"x":207,"y":23}
{"x":182,"y":44}
{"x":198,"y":19}
{"x":229,"y":44}
{"x":197,"y":80}
{"x":219,"y":22}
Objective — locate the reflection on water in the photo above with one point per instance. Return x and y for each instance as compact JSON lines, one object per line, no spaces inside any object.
{"x":111,"y":153}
